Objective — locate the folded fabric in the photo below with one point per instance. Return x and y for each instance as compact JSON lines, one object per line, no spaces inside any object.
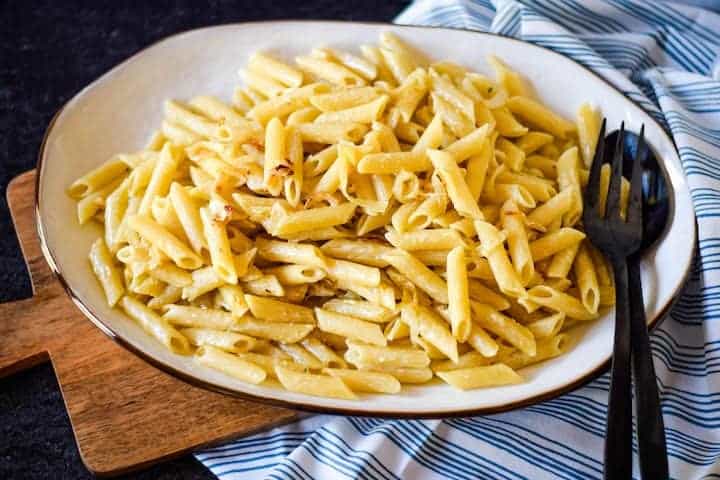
{"x":663,"y":57}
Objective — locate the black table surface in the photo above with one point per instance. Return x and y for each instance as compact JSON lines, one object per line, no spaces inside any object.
{"x":49,"y":50}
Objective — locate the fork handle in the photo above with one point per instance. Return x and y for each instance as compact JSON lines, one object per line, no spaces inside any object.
{"x":650,"y":426}
{"x":618,"y":439}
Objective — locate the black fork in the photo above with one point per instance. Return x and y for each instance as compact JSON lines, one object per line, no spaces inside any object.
{"x":618,"y":239}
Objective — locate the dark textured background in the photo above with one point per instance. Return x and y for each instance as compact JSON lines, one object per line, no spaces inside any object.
{"x":49,"y":50}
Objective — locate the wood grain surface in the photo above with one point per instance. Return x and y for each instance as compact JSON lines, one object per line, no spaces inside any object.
{"x":125,"y":413}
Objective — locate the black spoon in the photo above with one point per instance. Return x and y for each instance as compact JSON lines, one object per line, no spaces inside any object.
{"x":656,"y":210}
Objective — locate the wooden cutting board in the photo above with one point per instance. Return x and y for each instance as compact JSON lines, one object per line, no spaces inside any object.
{"x":125,"y":413}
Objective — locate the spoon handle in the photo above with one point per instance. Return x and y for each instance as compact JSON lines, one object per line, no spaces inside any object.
{"x":650,"y":427}
{"x":618,"y":432}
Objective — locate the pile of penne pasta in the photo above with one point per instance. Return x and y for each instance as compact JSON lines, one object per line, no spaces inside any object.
{"x":350,"y":223}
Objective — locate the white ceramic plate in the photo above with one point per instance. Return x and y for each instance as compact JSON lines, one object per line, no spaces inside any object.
{"x":118,"y":112}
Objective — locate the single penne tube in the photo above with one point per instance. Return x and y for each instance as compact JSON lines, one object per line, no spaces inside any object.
{"x":365,"y":252}
{"x":222,"y":339}
{"x":405,"y":374}
{"x":431,"y":327}
{"x":363,"y":113}
{"x":545,"y":165}
{"x":172,"y":275}
{"x":275,"y":165}
{"x":466,"y":360}
{"x":371,"y":357}
{"x":546,"y":348}
{"x":350,"y":327}
{"x":189,"y":216}
{"x":106,"y":272}
{"x":352,"y":272}
{"x":97,"y":178}
{"x":588,"y":129}
{"x":481,"y":341}
{"x":275,"y":69}
{"x":477,"y":169}
{"x":330,"y":71}
{"x":217,"y":359}
{"x":504,"y":327}
{"x":555,"y":242}
{"x":382,"y":295}
{"x":602,"y":266}
{"x":513,"y":222}
{"x":434,"y":239}
{"x":219,"y":247}
{"x":330,"y":132}
{"x":318,"y":163}
{"x":364,"y":381}
{"x":188,"y":316}
{"x":586,"y":279}
{"x":170,"y":295}
{"x":562,"y":262}
{"x":455,"y":184}
{"x":166,"y":242}
{"x":292,"y":184}
{"x":296,"y":274}
{"x":553,"y":208}
{"x":312,"y":384}
{"x":394,"y":162}
{"x":361,"y":309}
{"x":469,"y":145}
{"x":533,"y":141}
{"x":480,"y":377}
{"x":266,"y":86}
{"x":181,"y":115}
{"x":327,"y":356}
{"x":540,"y":117}
{"x":273,"y":310}
{"x":568,"y":167}
{"x":204,"y":280}
{"x":290,"y":101}
{"x":314,"y":219}
{"x":301,"y":356}
{"x":458,"y":294}
{"x":418,"y":273}
{"x":506,"y":124}
{"x":155,"y":325}
{"x":483,"y":294}
{"x":116,"y":206}
{"x":492,"y":248}
{"x":548,"y":326}
{"x":303,"y":115}
{"x":435,"y":258}
{"x":276,"y":331}
{"x":558,"y":301}
{"x":178,"y":134}
{"x":344,"y":98}
{"x":290,"y":252}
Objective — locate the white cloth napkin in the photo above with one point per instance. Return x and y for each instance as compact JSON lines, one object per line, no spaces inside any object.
{"x":662,"y":55}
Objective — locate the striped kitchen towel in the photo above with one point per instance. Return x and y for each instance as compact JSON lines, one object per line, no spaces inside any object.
{"x":664,"y":56}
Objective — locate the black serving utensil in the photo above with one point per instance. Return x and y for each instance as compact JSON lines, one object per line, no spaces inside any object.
{"x":652,"y":449}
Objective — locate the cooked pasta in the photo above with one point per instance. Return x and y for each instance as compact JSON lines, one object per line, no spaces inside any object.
{"x":351,"y":223}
